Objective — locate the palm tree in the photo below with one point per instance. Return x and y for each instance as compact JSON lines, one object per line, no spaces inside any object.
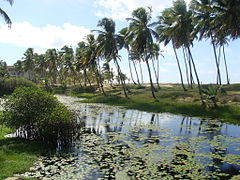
{"x":204,"y":14}
{"x":4,"y":14}
{"x":79,"y":54}
{"x":67,"y":60}
{"x":221,"y":41}
{"x":18,"y":66}
{"x":91,"y":60}
{"x":227,"y":17}
{"x":109,"y":44}
{"x":176,"y":25}
{"x":123,"y":33}
{"x":40,"y":66}
{"x":141,"y":38}
{"x":28,"y":63}
{"x":52,"y":62}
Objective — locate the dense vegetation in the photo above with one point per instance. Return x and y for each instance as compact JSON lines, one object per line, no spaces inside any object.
{"x":180,"y":25}
{"x":8,"y":85}
{"x":37,"y":115}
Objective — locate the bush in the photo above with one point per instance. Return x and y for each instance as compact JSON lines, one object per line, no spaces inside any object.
{"x":38,"y":114}
{"x":81,"y":89}
{"x":8,"y":85}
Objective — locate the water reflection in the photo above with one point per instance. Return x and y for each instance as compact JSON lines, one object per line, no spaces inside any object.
{"x":122,"y":142}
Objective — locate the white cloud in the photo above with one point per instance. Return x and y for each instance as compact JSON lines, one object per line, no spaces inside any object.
{"x":24,"y":34}
{"x":121,"y":9}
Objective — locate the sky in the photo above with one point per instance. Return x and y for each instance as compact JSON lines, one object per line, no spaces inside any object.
{"x":44,"y":24}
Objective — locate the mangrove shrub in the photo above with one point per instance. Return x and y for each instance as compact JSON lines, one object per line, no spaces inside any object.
{"x":37,"y":114}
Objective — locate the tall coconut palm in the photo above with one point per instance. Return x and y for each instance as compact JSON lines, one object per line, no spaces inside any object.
{"x":18,"y":66}
{"x":141,"y":38}
{"x":5,"y":15}
{"x":204,"y":14}
{"x":91,"y":60}
{"x":40,"y":66}
{"x":227,"y":17}
{"x":221,"y":41}
{"x":109,"y":44}
{"x":67,"y":59}
{"x":123,"y":33}
{"x":28,"y":63}
{"x":79,"y":57}
{"x":178,"y":27}
{"x":52,"y":60}
{"x":174,"y":26}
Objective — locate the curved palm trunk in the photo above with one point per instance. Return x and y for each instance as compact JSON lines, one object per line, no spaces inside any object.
{"x":216,"y":61}
{"x":156,"y":75}
{"x":151,"y":82}
{"x":225,"y":61}
{"x":85,"y":77}
{"x":120,"y":76}
{"x":130,"y":68}
{"x":180,"y":71}
{"x":140,"y":66}
{"x":198,"y":82}
{"x":186,"y":67}
{"x":136,"y":72}
{"x":100,"y":78}
{"x":89,"y":82}
{"x":190,"y":69}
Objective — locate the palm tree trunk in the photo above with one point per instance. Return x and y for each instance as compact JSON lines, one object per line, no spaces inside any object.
{"x":140,"y":66}
{"x":134,"y":64}
{"x":99,"y":84}
{"x":190,"y":69}
{"x":85,"y":77}
{"x":186,"y":66}
{"x":156,"y":76}
{"x":216,"y":61}
{"x":100,"y":78}
{"x":180,"y":71}
{"x":130,"y":68}
{"x":198,"y":82}
{"x":89,"y":82}
{"x":151,"y":82}
{"x":225,"y":61}
{"x":120,"y":76}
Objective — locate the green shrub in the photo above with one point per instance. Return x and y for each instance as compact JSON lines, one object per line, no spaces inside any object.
{"x":8,"y":85}
{"x":37,"y":113}
{"x":81,"y":89}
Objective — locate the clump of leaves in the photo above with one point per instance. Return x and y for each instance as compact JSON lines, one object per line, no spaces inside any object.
{"x":8,"y":85}
{"x":38,"y":114}
{"x":210,"y":94}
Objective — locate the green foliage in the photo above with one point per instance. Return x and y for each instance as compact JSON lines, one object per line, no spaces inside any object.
{"x":210,"y":93}
{"x":8,"y":85}
{"x":38,"y":113}
{"x":82,"y":89}
{"x":17,"y":155}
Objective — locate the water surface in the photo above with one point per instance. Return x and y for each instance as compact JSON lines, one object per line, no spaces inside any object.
{"x":118,"y":143}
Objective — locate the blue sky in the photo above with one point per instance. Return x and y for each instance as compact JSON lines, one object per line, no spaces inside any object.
{"x":44,"y":24}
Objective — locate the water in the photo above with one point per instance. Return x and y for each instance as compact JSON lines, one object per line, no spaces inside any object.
{"x":117,"y":143}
